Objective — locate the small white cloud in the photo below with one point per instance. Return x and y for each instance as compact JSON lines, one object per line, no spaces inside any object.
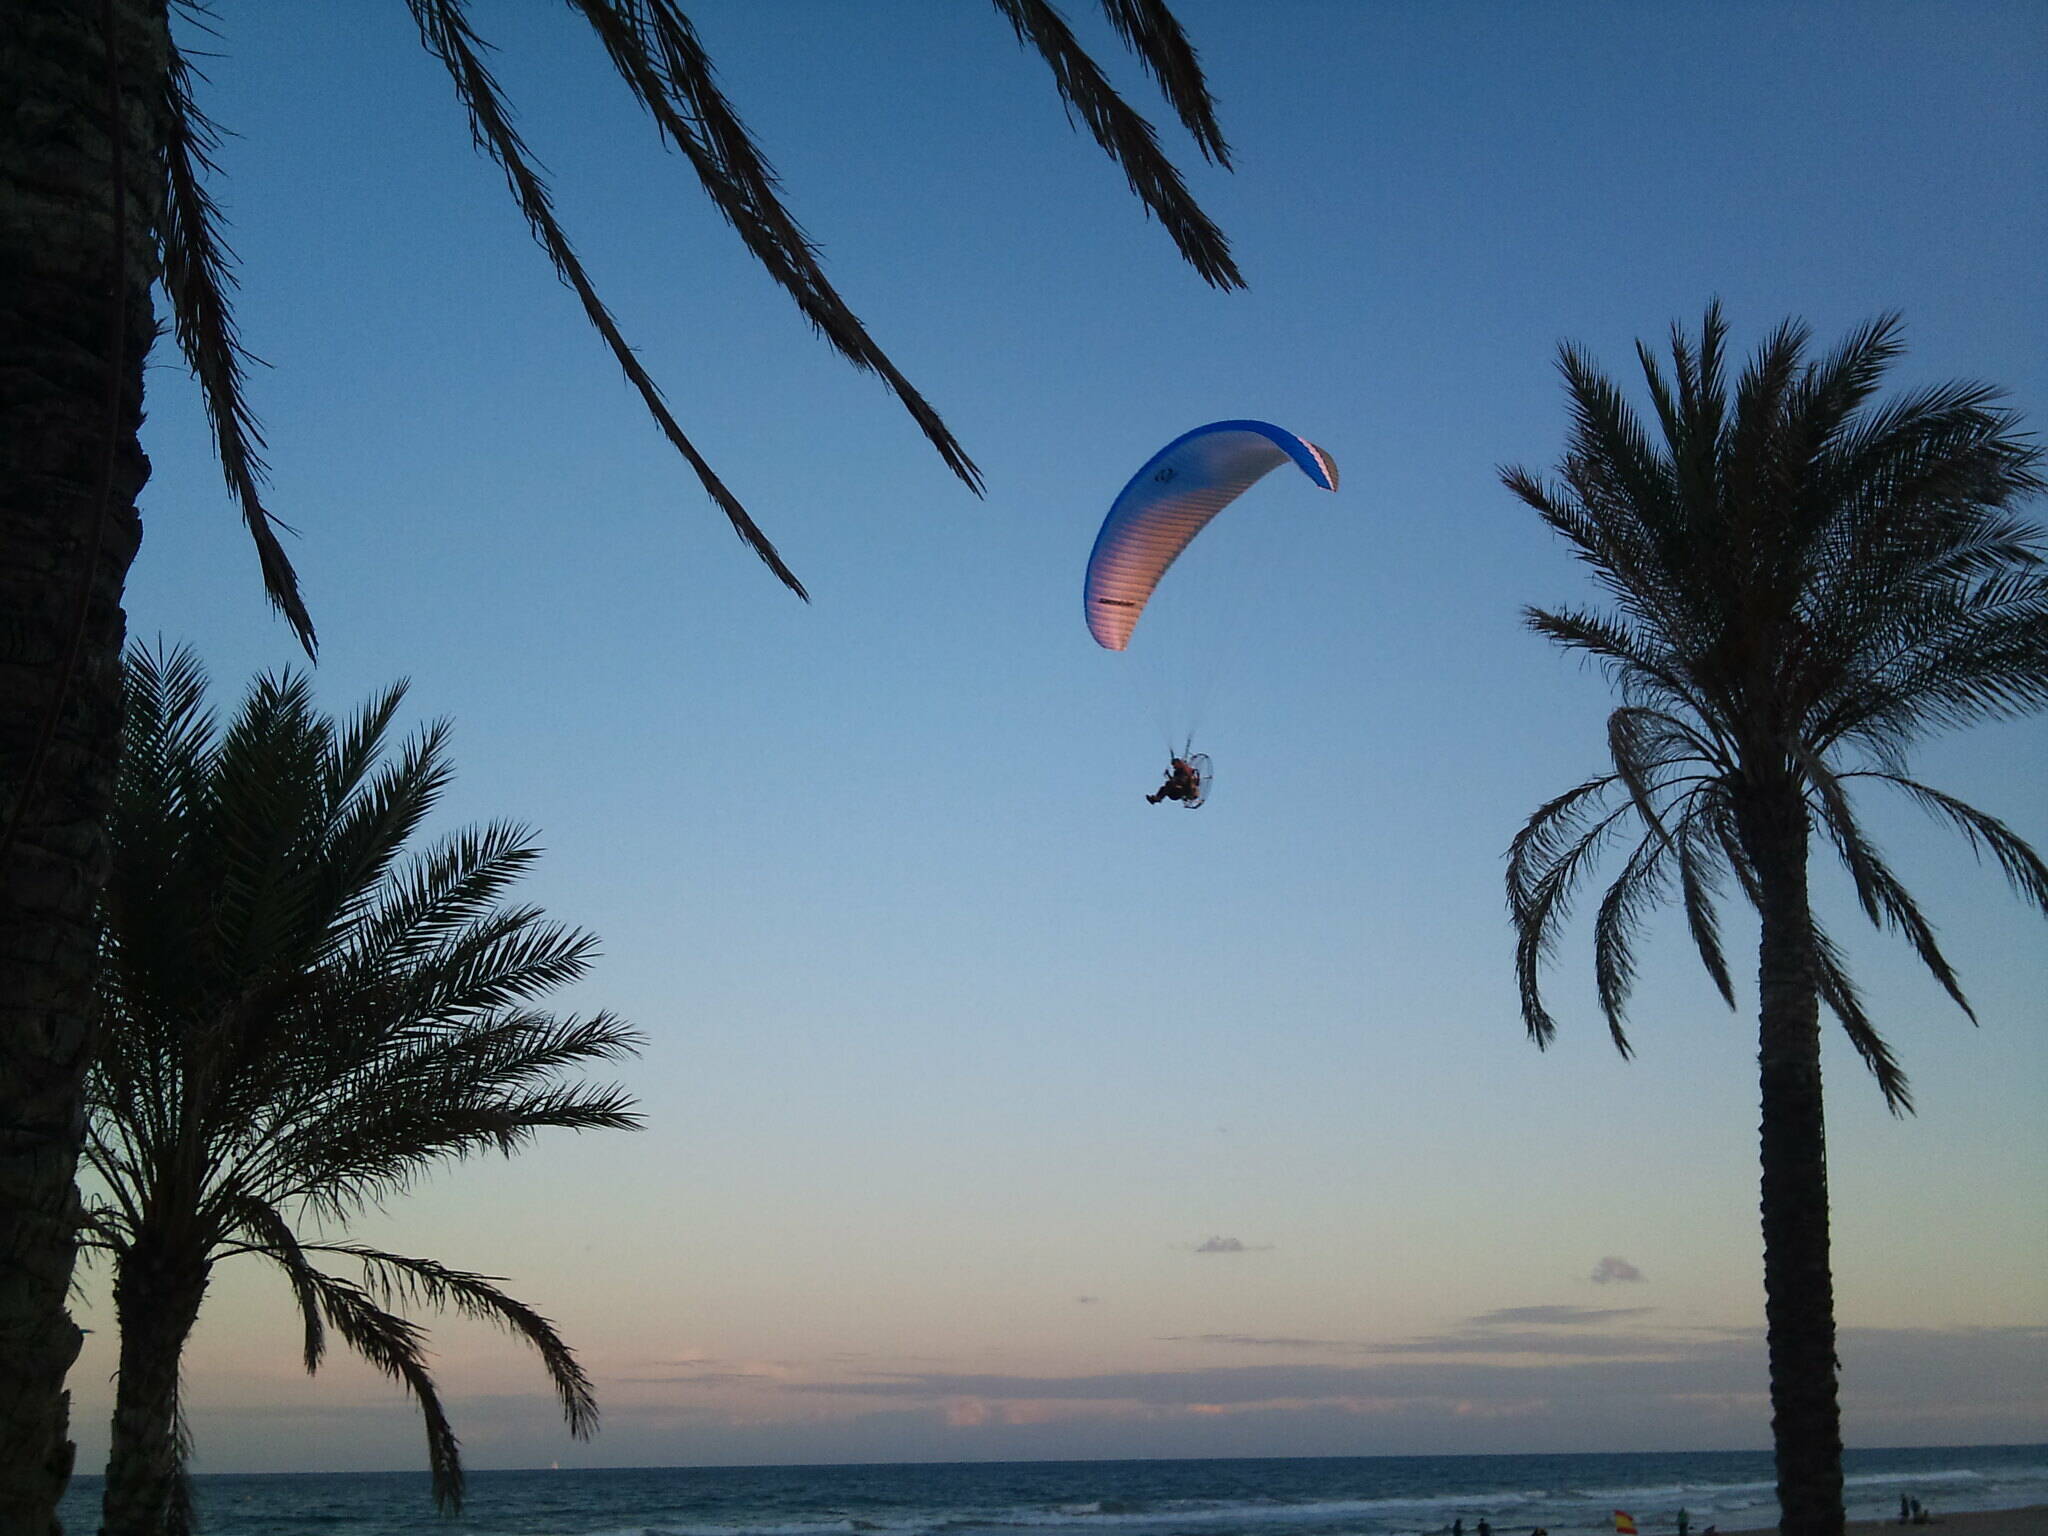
{"x":1612,"y":1268}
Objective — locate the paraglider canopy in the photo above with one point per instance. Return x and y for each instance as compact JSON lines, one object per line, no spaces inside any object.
{"x":1169,"y":501}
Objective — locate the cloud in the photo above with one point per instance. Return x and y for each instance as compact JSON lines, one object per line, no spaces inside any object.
{"x":1487,"y":1334}
{"x":1612,"y":1268}
{"x":1230,"y":1245}
{"x":714,"y":1373}
{"x":1086,"y":1300}
{"x":1562,"y":1316}
{"x":1728,"y":1366}
{"x":1902,"y":1386}
{"x":1256,"y":1341}
{"x":1544,"y":1342}
{"x":1897,"y":1378}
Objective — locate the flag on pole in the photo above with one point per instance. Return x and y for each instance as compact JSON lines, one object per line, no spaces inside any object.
{"x":1624,"y":1523}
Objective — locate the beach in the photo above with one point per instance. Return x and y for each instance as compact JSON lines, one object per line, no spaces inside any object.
{"x":2031,"y":1521}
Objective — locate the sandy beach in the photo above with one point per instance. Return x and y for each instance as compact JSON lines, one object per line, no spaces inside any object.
{"x":2031,"y":1521}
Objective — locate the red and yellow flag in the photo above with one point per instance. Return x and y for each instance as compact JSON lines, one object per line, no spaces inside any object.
{"x":1624,"y":1523}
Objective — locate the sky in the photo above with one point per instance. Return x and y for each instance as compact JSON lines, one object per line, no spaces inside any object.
{"x":992,"y":1113}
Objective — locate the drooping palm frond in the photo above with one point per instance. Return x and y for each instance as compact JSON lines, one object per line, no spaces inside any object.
{"x":1639,"y":888}
{"x":1642,"y":743}
{"x":1838,"y":992}
{"x":396,"y":1278}
{"x":1700,"y":880}
{"x":1152,"y":32}
{"x":1546,"y":861}
{"x":396,"y":1346}
{"x":249,"y":1225}
{"x":1126,"y":138}
{"x":2024,"y":869}
{"x":445,"y":29}
{"x":656,"y":52}
{"x":199,"y":279}
{"x":1885,"y":900}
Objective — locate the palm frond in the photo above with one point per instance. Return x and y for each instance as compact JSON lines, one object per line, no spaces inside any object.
{"x":1752,"y":464}
{"x":498,"y":959}
{"x":2023,"y":868}
{"x":367,"y":825}
{"x":1964,"y":658}
{"x":1126,"y":138}
{"x":1641,"y":742}
{"x":396,"y":1347}
{"x":1627,"y":515}
{"x":1699,"y":884}
{"x":1638,"y":888}
{"x":1151,"y":31}
{"x":1642,"y":669}
{"x":1885,"y":901}
{"x":396,"y":1278}
{"x":199,"y":279}
{"x":1827,"y":397}
{"x":1554,"y":828}
{"x":344,"y":1170}
{"x":448,"y":36}
{"x":1846,"y":1003}
{"x":438,"y":893}
{"x":656,"y":52}
{"x":262,"y":1230}
{"x":1611,"y":466}
{"x":1911,"y":505}
{"x":1695,"y":445}
{"x":486,"y":1088}
{"x":1546,"y":861}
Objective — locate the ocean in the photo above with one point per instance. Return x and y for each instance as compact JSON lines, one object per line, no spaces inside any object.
{"x":1302,"y":1496}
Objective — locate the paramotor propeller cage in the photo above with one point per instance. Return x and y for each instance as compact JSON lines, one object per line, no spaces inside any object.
{"x":1199,"y":762}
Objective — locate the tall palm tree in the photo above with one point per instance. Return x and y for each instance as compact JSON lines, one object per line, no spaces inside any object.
{"x":1805,"y":581}
{"x":296,"y":1022}
{"x":105,"y":159}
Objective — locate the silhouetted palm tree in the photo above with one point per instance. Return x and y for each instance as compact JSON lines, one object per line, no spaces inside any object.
{"x":1804,"y":582}
{"x":104,"y":166}
{"x":297,"y":1022}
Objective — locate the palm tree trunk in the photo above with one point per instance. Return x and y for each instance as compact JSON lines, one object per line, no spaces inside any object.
{"x":156,"y":1297}
{"x":75,"y":324}
{"x":1799,"y":1294}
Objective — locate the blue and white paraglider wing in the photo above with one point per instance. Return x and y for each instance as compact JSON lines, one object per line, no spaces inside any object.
{"x":1170,"y":500}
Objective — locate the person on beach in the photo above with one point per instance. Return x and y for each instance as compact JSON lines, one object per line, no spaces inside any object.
{"x":1484,"y":1528}
{"x":1182,"y":783}
{"x":1683,"y":1521}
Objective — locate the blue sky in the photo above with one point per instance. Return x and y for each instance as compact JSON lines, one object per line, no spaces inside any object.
{"x":993,"y":1112}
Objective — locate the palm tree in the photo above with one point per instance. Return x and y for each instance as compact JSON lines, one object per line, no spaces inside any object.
{"x":105,"y":159}
{"x":1805,"y":582}
{"x":294,"y":1025}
